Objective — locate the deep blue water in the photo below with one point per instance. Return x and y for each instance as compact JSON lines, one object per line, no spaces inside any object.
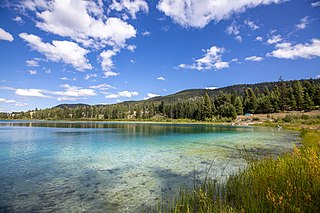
{"x":117,"y":167}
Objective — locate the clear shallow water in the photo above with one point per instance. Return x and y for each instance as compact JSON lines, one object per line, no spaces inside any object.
{"x":116,"y":167}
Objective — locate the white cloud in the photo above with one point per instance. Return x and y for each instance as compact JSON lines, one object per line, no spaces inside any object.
{"x":318,"y":76}
{"x":68,"y":79}
{"x":251,"y":24}
{"x":90,"y":75}
{"x":161,"y":78}
{"x":211,"y":88}
{"x":132,"y":61}
{"x":275,"y":39}
{"x":107,"y":63}
{"x":151,"y":95}
{"x":254,"y":58}
{"x":59,"y":51}
{"x":146,"y":33}
{"x":233,"y":29}
{"x":130,"y":6}
{"x":32,"y":63}
{"x":195,"y":13}
{"x":47,"y":70}
{"x":33,"y":72}
{"x":315,"y":4}
{"x":13,"y":102}
{"x":289,"y":51}
{"x":31,"y":93}
{"x":18,"y":19}
{"x":303,"y":23}
{"x":131,"y":47}
{"x":81,"y":20}
{"x":4,"y":35}
{"x":238,"y":38}
{"x":77,"y":91}
{"x":102,"y":87}
{"x":69,"y":99}
{"x":128,"y":94}
{"x":7,"y":88}
{"x":112,"y":96}
{"x":211,"y":60}
{"x":259,"y":38}
{"x":124,"y":94}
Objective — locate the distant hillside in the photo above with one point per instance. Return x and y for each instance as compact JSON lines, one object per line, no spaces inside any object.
{"x":239,"y":88}
{"x":70,"y":105}
{"x":192,"y":94}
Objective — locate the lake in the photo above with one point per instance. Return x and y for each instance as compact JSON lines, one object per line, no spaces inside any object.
{"x":117,"y":167}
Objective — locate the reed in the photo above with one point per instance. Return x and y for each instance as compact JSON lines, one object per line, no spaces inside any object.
{"x":288,"y":183}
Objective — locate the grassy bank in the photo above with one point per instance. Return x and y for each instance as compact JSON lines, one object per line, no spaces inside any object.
{"x":289,"y":183}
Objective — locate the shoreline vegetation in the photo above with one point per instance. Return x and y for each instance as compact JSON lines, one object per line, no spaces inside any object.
{"x":287,"y":183}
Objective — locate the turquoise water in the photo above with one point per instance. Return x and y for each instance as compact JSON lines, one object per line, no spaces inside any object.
{"x":117,"y":167}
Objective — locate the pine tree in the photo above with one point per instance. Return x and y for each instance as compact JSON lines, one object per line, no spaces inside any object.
{"x":308,"y":103}
{"x":298,"y":94}
{"x":207,"y":106}
{"x":238,"y":105}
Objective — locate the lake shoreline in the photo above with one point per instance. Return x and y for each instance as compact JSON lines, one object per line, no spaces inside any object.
{"x":268,"y":120}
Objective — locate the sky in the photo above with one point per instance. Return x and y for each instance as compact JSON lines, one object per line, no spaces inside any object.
{"x":109,"y":51}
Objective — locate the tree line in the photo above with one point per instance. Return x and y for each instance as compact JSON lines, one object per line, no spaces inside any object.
{"x":284,"y":96}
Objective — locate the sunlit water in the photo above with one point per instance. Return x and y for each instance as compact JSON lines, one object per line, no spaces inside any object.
{"x":117,"y":167}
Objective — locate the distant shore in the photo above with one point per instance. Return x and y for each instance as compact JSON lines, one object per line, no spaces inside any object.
{"x":270,"y":119}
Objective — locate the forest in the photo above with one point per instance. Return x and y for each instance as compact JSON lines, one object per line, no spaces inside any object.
{"x":224,"y":103}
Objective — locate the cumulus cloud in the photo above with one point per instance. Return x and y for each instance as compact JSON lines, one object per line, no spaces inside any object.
{"x":131,"y":7}
{"x":289,"y":51}
{"x":90,"y":75}
{"x":238,"y":38}
{"x":303,"y":23}
{"x":146,"y":33}
{"x":274,"y":39}
{"x":151,"y":95}
{"x":233,"y":29}
{"x":131,"y":47}
{"x":124,"y":94}
{"x":211,"y":60}
{"x":259,"y":38}
{"x":251,"y":24}
{"x":211,"y":88}
{"x":31,"y":93}
{"x":18,"y":19}
{"x":4,"y":35}
{"x":33,"y":72}
{"x":12,"y":102}
{"x":161,"y":78}
{"x":195,"y":13}
{"x":68,"y":79}
{"x":82,"y":21}
{"x":107,"y":63}
{"x":75,"y":91}
{"x":254,"y":58}
{"x":59,"y":51}
{"x":32,"y":63}
{"x":315,"y":4}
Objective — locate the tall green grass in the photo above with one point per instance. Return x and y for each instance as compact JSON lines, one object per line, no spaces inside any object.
{"x":289,"y":183}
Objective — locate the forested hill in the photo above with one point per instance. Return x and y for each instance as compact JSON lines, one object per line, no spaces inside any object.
{"x":239,"y":88}
{"x":196,"y":104}
{"x":192,"y":94}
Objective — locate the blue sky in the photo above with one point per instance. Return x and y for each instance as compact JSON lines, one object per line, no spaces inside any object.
{"x":107,"y":51}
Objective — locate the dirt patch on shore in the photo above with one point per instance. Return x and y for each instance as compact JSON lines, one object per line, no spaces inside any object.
{"x":243,"y":120}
